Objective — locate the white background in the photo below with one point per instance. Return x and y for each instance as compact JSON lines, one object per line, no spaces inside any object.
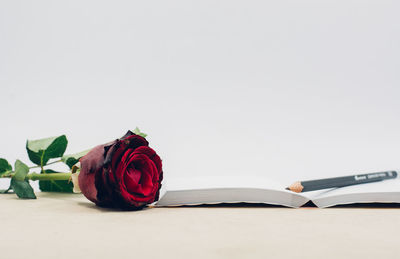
{"x":285,"y":89}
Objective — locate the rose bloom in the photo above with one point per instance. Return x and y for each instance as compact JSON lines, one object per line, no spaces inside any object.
{"x":125,"y":173}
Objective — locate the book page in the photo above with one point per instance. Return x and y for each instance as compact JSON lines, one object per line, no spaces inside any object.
{"x":387,"y":191}
{"x":214,"y":190}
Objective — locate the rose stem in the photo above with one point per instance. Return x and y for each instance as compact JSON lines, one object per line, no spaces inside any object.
{"x":35,"y":176}
{"x":42,"y":177}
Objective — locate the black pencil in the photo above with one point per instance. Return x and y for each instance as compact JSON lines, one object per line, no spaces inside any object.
{"x":313,"y":185}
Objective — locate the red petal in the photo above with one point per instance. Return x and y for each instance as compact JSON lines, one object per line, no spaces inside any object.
{"x":91,"y":166}
{"x":151,"y":154}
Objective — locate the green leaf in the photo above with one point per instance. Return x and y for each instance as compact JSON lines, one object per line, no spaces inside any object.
{"x":4,"y":166}
{"x":22,"y":189}
{"x":137,"y":132}
{"x":41,"y":150}
{"x":21,"y":170}
{"x":72,"y":159}
{"x":55,"y":185}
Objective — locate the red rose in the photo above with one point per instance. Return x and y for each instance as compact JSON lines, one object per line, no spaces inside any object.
{"x":125,"y":173}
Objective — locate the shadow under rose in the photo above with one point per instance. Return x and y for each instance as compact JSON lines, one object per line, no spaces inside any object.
{"x":93,"y":206}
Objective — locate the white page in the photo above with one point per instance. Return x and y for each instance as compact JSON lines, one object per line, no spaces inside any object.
{"x":387,"y":191}
{"x":214,"y":190}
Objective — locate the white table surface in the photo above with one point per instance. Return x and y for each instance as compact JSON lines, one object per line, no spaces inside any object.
{"x":68,"y":226}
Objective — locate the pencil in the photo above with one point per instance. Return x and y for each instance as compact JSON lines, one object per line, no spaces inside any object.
{"x":313,"y":185}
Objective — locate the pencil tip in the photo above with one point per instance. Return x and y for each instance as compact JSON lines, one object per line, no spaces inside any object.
{"x":295,"y":187}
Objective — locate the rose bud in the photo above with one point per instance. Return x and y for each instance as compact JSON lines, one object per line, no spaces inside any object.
{"x":124,"y":173}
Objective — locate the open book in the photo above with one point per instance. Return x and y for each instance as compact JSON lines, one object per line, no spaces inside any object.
{"x":215,"y":190}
